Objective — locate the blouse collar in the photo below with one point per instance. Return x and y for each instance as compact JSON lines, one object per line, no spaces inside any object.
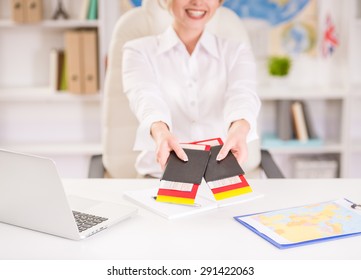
{"x":169,"y":40}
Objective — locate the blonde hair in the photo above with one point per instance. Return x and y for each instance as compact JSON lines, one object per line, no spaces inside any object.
{"x":166,"y":4}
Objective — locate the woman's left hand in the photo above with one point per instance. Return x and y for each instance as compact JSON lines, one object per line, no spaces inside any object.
{"x":236,"y":141}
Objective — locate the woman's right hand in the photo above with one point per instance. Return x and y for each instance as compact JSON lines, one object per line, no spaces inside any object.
{"x":165,"y":142}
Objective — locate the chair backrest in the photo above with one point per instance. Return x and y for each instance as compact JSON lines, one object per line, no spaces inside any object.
{"x":119,"y":124}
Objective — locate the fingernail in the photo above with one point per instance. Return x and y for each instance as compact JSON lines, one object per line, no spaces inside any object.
{"x":220,"y":157}
{"x":185,"y":158}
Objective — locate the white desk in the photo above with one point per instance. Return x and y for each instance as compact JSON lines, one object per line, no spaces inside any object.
{"x":209,"y":235}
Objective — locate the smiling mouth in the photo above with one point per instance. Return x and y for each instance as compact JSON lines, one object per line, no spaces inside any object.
{"x":195,"y":14}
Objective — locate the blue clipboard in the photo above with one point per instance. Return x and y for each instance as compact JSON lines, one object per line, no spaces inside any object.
{"x":351,"y":226}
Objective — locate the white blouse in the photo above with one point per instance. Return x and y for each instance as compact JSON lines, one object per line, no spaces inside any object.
{"x":198,"y":96}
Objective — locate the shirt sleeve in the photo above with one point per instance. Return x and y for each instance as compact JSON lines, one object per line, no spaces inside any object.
{"x":141,"y":87}
{"x":242,"y":101}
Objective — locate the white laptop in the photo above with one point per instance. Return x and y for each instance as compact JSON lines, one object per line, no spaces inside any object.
{"x":32,"y":197}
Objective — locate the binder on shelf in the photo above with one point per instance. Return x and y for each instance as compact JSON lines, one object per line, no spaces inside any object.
{"x":73,"y":49}
{"x":82,"y":61}
{"x":27,"y":11}
{"x":18,"y":11}
{"x":34,"y":10}
{"x":90,"y":60}
{"x":308,"y":224}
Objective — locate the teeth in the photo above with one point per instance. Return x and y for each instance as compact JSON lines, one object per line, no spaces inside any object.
{"x":196,"y":13}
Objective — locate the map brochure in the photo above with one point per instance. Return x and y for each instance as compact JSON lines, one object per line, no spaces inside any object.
{"x":306,"y":224}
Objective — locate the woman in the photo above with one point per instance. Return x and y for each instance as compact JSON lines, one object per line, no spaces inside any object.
{"x":186,"y":85}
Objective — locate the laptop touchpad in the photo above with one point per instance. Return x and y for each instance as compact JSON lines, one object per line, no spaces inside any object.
{"x":81,"y":203}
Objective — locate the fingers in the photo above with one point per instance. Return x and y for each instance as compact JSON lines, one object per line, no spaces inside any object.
{"x":223,"y":152}
{"x":173,"y":145}
{"x":164,"y":150}
{"x":242,"y":156}
{"x":239,"y":151}
{"x":162,"y":157}
{"x":181,"y":154}
{"x":236,"y":141}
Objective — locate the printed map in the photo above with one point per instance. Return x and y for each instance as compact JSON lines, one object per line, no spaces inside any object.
{"x":311,"y":222}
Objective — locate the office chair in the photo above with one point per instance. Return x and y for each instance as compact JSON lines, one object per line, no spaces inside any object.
{"x":119,"y":124}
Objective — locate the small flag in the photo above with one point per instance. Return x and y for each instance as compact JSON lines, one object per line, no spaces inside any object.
{"x":329,"y":38}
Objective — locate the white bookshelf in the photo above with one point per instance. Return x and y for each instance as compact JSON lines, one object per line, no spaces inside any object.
{"x":270,"y":92}
{"x":34,"y":118}
{"x":55,"y":149}
{"x":328,"y":148}
{"x":327,"y":116}
{"x":37,"y":94}
{"x":51,"y":24}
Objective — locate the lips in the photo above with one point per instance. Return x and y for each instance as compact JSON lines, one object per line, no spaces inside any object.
{"x":195,"y":14}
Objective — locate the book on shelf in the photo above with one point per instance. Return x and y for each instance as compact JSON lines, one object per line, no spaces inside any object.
{"x":299,"y":121}
{"x":56,"y":69}
{"x":309,"y":125}
{"x":89,"y":10}
{"x":82,"y":61}
{"x":54,"y":72}
{"x":93,"y":10}
{"x":293,"y":126}
{"x":284,"y":124}
{"x":83,"y":12}
{"x":63,"y":86}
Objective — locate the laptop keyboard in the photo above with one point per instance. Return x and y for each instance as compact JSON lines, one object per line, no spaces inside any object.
{"x":86,"y":221}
